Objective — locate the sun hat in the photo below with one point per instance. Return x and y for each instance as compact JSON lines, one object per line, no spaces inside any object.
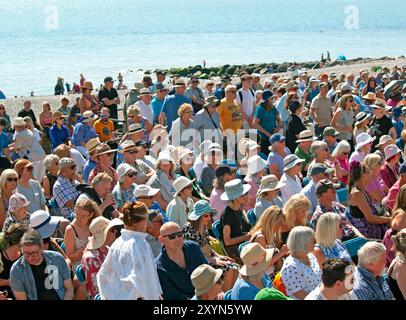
{"x":269,"y":183}
{"x":379,"y":89}
{"x":290,"y":85}
{"x":96,"y":228}
{"x":56,"y":115}
{"x":185,"y":152}
{"x":361,"y":117}
{"x":143,"y":190}
{"x":369,"y":96}
{"x":89,"y":116}
{"x":123,"y":169}
{"x":346,"y":87}
{"x":127,"y":145}
{"x":255,"y":258}
{"x":145,"y":92}
{"x":234,"y":189}
{"x":204,"y":146}
{"x":306,"y":135}
{"x":181,"y":183}
{"x":103,"y":149}
{"x":87,"y":85}
{"x":204,"y":277}
{"x":384,"y":140}
{"x":252,"y":145}
{"x":44,"y":223}
{"x":165,"y":156}
{"x":290,"y":161}
{"x":211,"y":101}
{"x":242,"y":145}
{"x":21,"y":164}
{"x":266,"y":95}
{"x":378,"y":105}
{"x":138,"y":86}
{"x":320,"y":168}
{"x":214,"y":147}
{"x":64,"y":163}
{"x":179,"y":83}
{"x":19,"y":122}
{"x":256,"y":164}
{"x":135,"y":127}
{"x":17,"y":201}
{"x":362,"y":139}
{"x":92,"y":144}
{"x":391,"y":150}
{"x":325,"y":184}
{"x":330,"y":131}
{"x":270,"y":294}
{"x":200,"y":208}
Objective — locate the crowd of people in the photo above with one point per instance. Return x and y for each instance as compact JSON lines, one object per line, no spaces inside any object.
{"x":288,"y":188}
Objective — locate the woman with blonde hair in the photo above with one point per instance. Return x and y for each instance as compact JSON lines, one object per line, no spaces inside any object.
{"x":342,"y":153}
{"x":133,"y":116}
{"x":8,"y":185}
{"x":51,"y":174}
{"x":45,"y":117}
{"x":296,"y":213}
{"x":362,"y":121}
{"x":343,"y":118}
{"x":377,"y":188}
{"x":268,"y":233}
{"x":329,"y":231}
{"x":183,"y":131}
{"x":397,"y":270}
{"x":77,"y":233}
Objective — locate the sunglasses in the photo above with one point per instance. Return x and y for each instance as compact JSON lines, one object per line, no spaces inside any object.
{"x":131,"y":174}
{"x":132,"y":151}
{"x":145,"y":198}
{"x":12,"y":179}
{"x":73,"y":167}
{"x":350,"y":100}
{"x":172,"y":236}
{"x":29,"y":168}
{"x":345,"y":153}
{"x":61,"y":118}
{"x":207,"y":215}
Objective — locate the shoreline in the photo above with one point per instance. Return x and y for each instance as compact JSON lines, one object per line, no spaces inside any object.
{"x":13,"y":105}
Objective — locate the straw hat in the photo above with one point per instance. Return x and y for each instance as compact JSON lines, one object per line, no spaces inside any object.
{"x":134,"y":128}
{"x":256,"y":259}
{"x":87,"y":85}
{"x":204,"y":277}
{"x":179,"y":83}
{"x":103,"y":149}
{"x":127,"y":145}
{"x":361,"y":117}
{"x":145,"y":92}
{"x":269,"y":183}
{"x":92,"y":144}
{"x":234,"y":189}
{"x":143,"y":190}
{"x":97,"y":228}
{"x":384,"y":140}
{"x":369,"y":96}
{"x":89,"y":116}
{"x":181,"y":183}
{"x":64,"y":163}
{"x":306,"y":135}
{"x":56,"y":115}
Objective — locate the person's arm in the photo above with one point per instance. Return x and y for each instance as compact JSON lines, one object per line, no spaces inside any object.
{"x":162,"y":118}
{"x":401,"y":279}
{"x":69,"y":240}
{"x":313,"y":114}
{"x":334,"y":120}
{"x":358,"y":199}
{"x":69,"y":292}
{"x":47,"y":187}
{"x":228,"y":241}
{"x":273,"y":169}
{"x":20,"y":295}
{"x":319,"y":256}
{"x":260,"y":128}
{"x":392,"y":133}
{"x":107,"y":102}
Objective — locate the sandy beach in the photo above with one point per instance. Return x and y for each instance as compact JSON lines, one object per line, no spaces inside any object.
{"x":13,"y":105}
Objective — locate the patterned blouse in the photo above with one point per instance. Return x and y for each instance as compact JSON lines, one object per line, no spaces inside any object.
{"x":92,"y":261}
{"x":97,"y":170}
{"x":11,"y":219}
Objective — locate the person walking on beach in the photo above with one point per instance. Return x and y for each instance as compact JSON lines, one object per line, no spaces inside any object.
{"x":109,"y":97}
{"x":82,"y":80}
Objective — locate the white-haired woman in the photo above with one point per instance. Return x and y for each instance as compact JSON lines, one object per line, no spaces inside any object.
{"x":342,"y":153}
{"x":321,"y":154}
{"x":329,"y":231}
{"x":51,"y":174}
{"x":397,"y":270}
{"x":124,"y":189}
{"x":8,"y":185}
{"x":301,"y":273}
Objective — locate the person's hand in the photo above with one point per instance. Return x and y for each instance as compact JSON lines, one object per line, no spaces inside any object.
{"x":3,"y":295}
{"x":284,"y":251}
{"x":109,"y":201}
{"x":225,"y":258}
{"x":221,"y":263}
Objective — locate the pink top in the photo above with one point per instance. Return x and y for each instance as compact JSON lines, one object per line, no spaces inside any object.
{"x":47,"y":121}
{"x":92,"y":261}
{"x":393,"y":195}
{"x":345,"y":165}
{"x":387,"y":241}
{"x":252,"y":194}
{"x":378,"y":184}
{"x":217,"y":203}
{"x":357,"y":156}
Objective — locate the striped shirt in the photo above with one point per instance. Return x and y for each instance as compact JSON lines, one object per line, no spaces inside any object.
{"x":369,"y":287}
{"x":64,"y":190}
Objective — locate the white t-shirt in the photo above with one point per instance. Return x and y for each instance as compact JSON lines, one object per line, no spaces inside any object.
{"x":248,"y":101}
{"x":78,"y":159}
{"x":145,"y":111}
{"x":317,"y":295}
{"x":291,"y":186}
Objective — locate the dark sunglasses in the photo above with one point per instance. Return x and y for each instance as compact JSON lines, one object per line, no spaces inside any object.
{"x":350,"y":100}
{"x":174,"y":235}
{"x":345,"y":153}
{"x":12,"y":179}
{"x":131,"y":174}
{"x":30,"y":168}
{"x":61,"y":118}
{"x":73,"y":167}
{"x":132,"y":151}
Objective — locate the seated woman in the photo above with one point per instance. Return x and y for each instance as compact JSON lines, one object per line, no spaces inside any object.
{"x":363,"y":214}
{"x":196,"y":229}
{"x":17,"y":211}
{"x":253,"y":274}
{"x":377,"y":188}
{"x":268,"y":233}
{"x":301,"y":273}
{"x":341,"y":153}
{"x":329,"y":231}
{"x":390,"y":170}
{"x":182,"y":204}
{"x":212,"y":160}
{"x":268,"y":195}
{"x":124,"y":189}
{"x":223,"y":174}
{"x":397,"y":270}
{"x":51,"y":174}
{"x":10,"y":252}
{"x":8,"y":185}
{"x":296,"y":211}
{"x":183,"y":131}
{"x":256,"y":170}
{"x":233,"y":223}
{"x":135,"y":117}
{"x":290,"y":177}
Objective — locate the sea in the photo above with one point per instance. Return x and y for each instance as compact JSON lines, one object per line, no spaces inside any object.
{"x":41,"y":40}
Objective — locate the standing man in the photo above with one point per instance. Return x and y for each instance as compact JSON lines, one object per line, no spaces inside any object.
{"x":160,"y":79}
{"x":246,"y":100}
{"x":144,"y":105}
{"x":156,"y":104}
{"x":195,"y":94}
{"x":320,"y":110}
{"x":109,"y":97}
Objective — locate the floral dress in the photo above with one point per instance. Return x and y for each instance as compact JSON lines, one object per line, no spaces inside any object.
{"x":92,"y":261}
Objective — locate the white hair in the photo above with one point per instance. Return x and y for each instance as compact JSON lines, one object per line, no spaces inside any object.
{"x":49,"y":159}
{"x":342,"y":146}
{"x":317,"y":145}
{"x":370,"y":252}
{"x":299,"y":237}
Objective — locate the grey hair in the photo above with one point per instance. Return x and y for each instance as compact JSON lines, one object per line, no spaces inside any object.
{"x":370,"y":252}
{"x":32,"y":238}
{"x":49,"y":159}
{"x":342,"y":146}
{"x":317,"y":145}
{"x":299,"y":238}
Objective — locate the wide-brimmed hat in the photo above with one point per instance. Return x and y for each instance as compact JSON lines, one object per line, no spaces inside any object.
{"x":369,"y":96}
{"x":362,"y":139}
{"x":330,"y":131}
{"x":138,"y":86}
{"x":165,"y":156}
{"x":87,"y":85}
{"x":92,"y":144}
{"x":89,"y":116}
{"x":179,"y":83}
{"x":127,"y":145}
{"x":290,"y":161}
{"x":96,"y":228}
{"x":384,"y":140}
{"x":391,"y":150}
{"x":19,"y":122}
{"x":255,"y":164}
{"x":144,"y":92}
{"x":266,"y":95}
{"x":44,"y":223}
{"x":269,"y":183}
{"x":123,"y":169}
{"x":216,"y":147}
{"x":200,"y":208}
{"x":134,"y":128}
{"x":143,"y":190}
{"x":256,"y":259}
{"x":181,"y":183}
{"x":103,"y":149}
{"x":57,"y":115}
{"x":305,"y":135}
{"x":211,"y":102}
{"x":204,"y":277}
{"x":361,"y":117}
{"x":184,"y":152}
{"x":291,"y":85}
{"x":113,"y":223}
{"x":234,"y":189}
{"x":17,"y":201}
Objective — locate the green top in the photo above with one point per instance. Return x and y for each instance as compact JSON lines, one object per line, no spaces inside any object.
{"x":303,"y":155}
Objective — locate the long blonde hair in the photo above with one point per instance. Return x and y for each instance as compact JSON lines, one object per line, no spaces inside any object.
{"x":270,"y":224}
{"x":326,"y":229}
{"x":297,"y":201}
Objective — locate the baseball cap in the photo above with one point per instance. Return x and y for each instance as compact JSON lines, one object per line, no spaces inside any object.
{"x":325,"y":184}
{"x":276,"y":137}
{"x":320,"y":168}
{"x":108,"y":79}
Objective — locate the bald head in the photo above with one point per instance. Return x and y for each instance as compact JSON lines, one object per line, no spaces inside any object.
{"x":169,"y":228}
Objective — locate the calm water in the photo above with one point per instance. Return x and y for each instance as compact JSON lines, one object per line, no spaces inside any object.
{"x":105,"y":37}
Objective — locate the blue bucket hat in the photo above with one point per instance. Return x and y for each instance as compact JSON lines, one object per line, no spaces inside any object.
{"x":201,"y":207}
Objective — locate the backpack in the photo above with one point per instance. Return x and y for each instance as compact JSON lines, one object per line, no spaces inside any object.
{"x":241,"y":95}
